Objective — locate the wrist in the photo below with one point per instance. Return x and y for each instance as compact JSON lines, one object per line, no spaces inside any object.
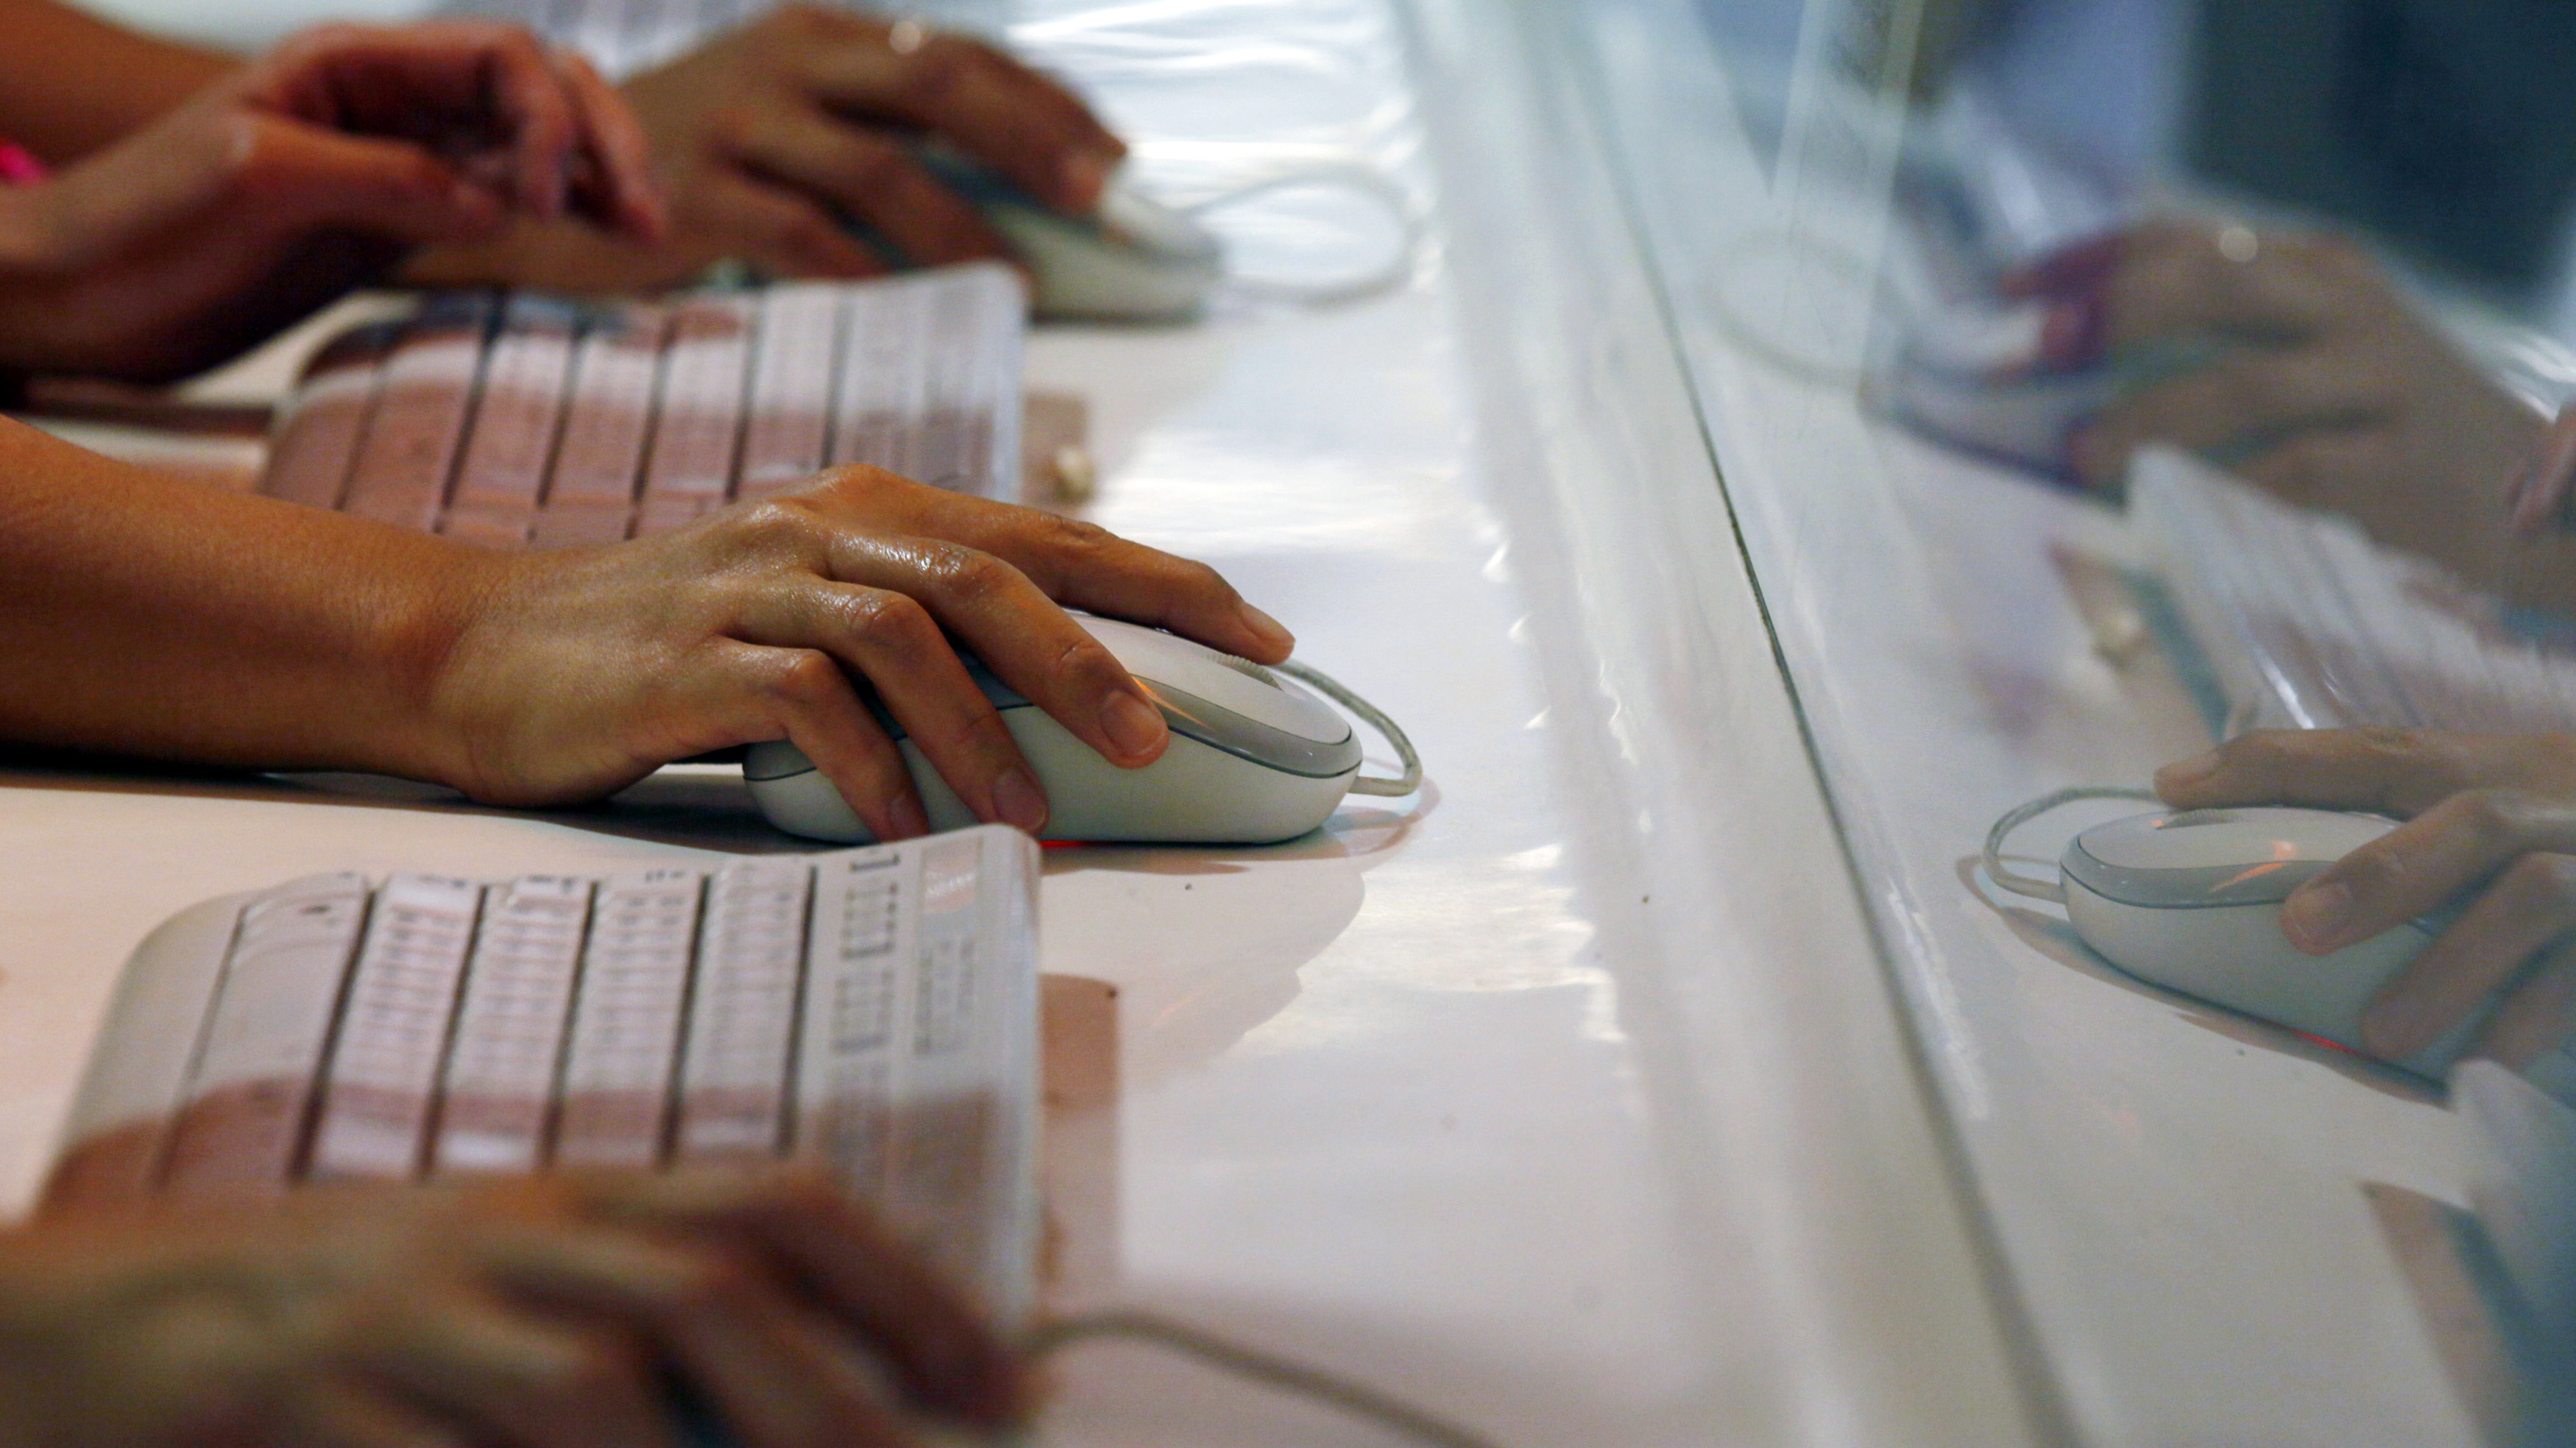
{"x":413,"y":650}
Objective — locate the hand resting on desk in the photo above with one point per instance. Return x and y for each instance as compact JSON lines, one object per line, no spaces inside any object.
{"x":144,"y":615}
{"x":2488,"y":816}
{"x":553,"y":1312}
{"x":297,"y":176}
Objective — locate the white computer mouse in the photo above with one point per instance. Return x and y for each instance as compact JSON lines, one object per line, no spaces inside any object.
{"x":2192,"y":901}
{"x":1133,"y":259}
{"x":1255,"y":758}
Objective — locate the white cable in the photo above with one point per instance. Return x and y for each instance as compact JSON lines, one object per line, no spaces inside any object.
{"x":2032,"y":885}
{"x":1375,"y":718}
{"x":1358,"y":176}
{"x":1356,"y":1399}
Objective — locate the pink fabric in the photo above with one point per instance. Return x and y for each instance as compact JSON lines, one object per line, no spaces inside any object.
{"x":17,"y":168}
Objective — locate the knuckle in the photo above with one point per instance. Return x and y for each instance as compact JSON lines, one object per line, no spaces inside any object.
{"x":771,"y":526}
{"x":1088,"y":665}
{"x":707,"y":1280}
{"x":881,"y":619}
{"x":802,"y":677}
{"x":966,"y":575}
{"x":864,"y":481}
{"x":2372,"y":871}
{"x":2494,"y":817}
{"x":2554,"y":877}
{"x":936,"y":71}
{"x":732,"y":127}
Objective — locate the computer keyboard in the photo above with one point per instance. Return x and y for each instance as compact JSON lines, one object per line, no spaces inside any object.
{"x":2300,"y":621}
{"x":873,"y":1009}
{"x":523,"y":420}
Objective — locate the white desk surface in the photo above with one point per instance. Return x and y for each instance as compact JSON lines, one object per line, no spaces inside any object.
{"x":1577,"y":1099}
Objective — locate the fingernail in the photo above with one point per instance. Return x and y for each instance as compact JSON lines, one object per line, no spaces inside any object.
{"x":2184,"y":773}
{"x":1086,"y":175}
{"x":2315,"y":915}
{"x":1271,"y":631}
{"x":1135,"y":726}
{"x":1017,"y":800}
{"x":908,"y":819}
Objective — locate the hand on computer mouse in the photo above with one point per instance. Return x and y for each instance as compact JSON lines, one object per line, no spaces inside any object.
{"x":2293,"y":358}
{"x":769,"y":139}
{"x":580,"y":672}
{"x":552,"y":1311}
{"x":2492,"y":816}
{"x":298,"y":176}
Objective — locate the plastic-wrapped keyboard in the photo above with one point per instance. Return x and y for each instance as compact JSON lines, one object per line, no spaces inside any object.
{"x":2301,"y":621}
{"x":524,"y":420}
{"x":872,"y":1009}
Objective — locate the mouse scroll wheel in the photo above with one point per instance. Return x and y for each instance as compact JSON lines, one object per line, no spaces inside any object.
{"x":1247,"y":668}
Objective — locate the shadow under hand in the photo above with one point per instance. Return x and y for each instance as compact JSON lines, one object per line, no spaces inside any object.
{"x":2053,"y":937}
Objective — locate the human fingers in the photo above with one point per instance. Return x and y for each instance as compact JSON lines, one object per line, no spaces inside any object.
{"x":2231,"y":282}
{"x":2540,"y":492}
{"x":777,"y":1373}
{"x":1021,"y":634}
{"x":2528,"y":905}
{"x":1023,"y":124}
{"x":2391,"y":771}
{"x":617,"y":186}
{"x":2180,"y":278}
{"x":335,"y":1413}
{"x":775,"y":229}
{"x":462,"y":88}
{"x":839,"y":1258}
{"x":2398,"y":772}
{"x":1078,"y":564}
{"x":802,"y":695}
{"x":888,"y":636}
{"x":280,"y":175}
{"x":2229,"y":404}
{"x":294,"y":177}
{"x":499,"y":1373}
{"x":871,"y":177}
{"x":2422,"y":864}
{"x":2538,"y":1015}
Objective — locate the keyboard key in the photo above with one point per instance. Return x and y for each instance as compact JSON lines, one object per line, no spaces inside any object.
{"x":698,"y":428}
{"x":318,"y":432}
{"x":624,"y":1047}
{"x":497,"y":1093}
{"x":610,"y":412}
{"x":411,"y":445}
{"x":383,"y":1078}
{"x":257,"y":1069}
{"x":516,"y":418}
{"x":742,"y":1012}
{"x":788,"y":436}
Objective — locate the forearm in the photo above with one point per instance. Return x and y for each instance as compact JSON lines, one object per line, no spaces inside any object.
{"x":71,"y":83}
{"x":145,"y":615}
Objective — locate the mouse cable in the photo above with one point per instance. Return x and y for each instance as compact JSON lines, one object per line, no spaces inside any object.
{"x":1365,"y":178}
{"x":2032,"y":885}
{"x":1369,"y":714}
{"x":1358,"y":1400}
